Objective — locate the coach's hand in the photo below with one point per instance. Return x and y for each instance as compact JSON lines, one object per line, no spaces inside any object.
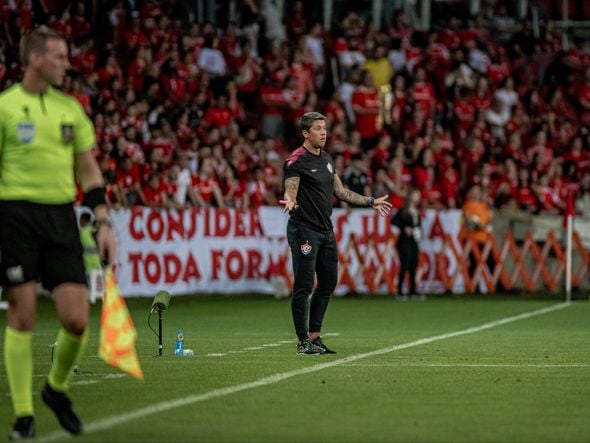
{"x":382,"y":205}
{"x":289,"y":205}
{"x":105,"y":241}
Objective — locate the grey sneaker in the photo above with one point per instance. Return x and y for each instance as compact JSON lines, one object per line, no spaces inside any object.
{"x":307,"y":347}
{"x":320,"y":344}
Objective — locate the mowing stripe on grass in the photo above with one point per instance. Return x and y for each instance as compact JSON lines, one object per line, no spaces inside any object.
{"x":125,"y":417}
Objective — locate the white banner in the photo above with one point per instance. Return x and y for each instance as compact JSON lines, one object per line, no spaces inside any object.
{"x":234,"y":251}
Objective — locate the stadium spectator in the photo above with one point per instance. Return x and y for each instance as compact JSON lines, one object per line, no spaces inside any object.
{"x":490,"y":90}
{"x":129,"y":183}
{"x":205,"y":187}
{"x":355,"y":176}
{"x":379,"y":66}
{"x":155,"y":193}
{"x":366,"y":106}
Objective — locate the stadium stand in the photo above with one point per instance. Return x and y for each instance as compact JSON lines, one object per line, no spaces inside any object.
{"x":192,"y":114}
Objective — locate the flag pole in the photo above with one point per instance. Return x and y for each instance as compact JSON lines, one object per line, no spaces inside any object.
{"x":568,"y":218}
{"x":568,"y":262}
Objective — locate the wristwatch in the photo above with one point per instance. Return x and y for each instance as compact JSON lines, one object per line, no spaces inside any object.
{"x":371,"y":202}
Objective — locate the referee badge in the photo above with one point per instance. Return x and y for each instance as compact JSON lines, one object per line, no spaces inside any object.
{"x":67,"y":133}
{"x":25,"y":132}
{"x":329,"y":166}
{"x":306,"y":248}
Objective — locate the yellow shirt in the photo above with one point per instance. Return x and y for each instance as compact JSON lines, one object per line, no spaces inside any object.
{"x":381,"y":70}
{"x":39,"y":137}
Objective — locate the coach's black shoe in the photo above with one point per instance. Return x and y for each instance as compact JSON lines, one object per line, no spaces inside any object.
{"x":61,"y":406}
{"x":320,"y":344}
{"x":307,"y":347}
{"x":23,"y":429}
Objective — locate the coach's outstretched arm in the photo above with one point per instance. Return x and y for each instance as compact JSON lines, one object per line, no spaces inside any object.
{"x":380,"y":204}
{"x":290,"y":197}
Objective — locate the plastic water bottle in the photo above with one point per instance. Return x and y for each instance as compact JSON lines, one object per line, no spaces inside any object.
{"x":179,"y":348}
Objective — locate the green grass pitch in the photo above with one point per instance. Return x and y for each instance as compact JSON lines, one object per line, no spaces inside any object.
{"x":527,"y":380}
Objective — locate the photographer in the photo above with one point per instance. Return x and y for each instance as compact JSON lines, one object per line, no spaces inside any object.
{"x":408,"y":221}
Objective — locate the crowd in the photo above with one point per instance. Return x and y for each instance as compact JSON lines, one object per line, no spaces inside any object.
{"x":189,"y":114}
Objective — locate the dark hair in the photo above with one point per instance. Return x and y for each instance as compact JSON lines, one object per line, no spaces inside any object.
{"x":36,"y":40}
{"x":308,"y":119}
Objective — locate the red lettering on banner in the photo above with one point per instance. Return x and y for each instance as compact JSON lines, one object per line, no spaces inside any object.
{"x":275,"y":267}
{"x":341,"y":220}
{"x":216,"y":256}
{"x":175,"y":225}
{"x":172,"y":268}
{"x":234,"y":264}
{"x":437,"y":229}
{"x":222,"y":222}
{"x":232,"y":243}
{"x":191,"y":270}
{"x":152,"y":268}
{"x":190,"y":232}
{"x":135,"y":231}
{"x":255,"y":225}
{"x":155,"y":225}
{"x":135,"y":258}
{"x":207,"y":232}
{"x":169,"y":267}
{"x":365,"y":230}
{"x":240,"y":226}
{"x":372,"y":229}
{"x":178,"y":224}
{"x":254,"y":260}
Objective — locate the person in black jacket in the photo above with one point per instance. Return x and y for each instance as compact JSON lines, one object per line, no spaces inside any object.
{"x":408,"y":221}
{"x":311,"y":182}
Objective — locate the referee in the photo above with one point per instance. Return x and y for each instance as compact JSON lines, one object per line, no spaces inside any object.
{"x":45,"y":142}
{"x":311,"y":183}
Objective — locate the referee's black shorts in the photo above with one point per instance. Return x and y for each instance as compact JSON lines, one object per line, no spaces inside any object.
{"x":39,"y":242}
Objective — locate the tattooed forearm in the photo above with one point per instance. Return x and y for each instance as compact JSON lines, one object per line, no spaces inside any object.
{"x":347,"y":195}
{"x":291,"y":188}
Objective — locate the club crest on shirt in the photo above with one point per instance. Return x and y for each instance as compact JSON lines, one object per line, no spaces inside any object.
{"x":67,"y":133}
{"x":329,"y":166}
{"x":306,"y":248}
{"x":25,"y":132}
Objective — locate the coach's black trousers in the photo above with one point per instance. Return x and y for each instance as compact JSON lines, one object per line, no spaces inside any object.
{"x":314,"y":253}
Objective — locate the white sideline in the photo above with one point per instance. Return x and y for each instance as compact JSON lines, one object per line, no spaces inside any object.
{"x":465,"y":365}
{"x":126,"y":417}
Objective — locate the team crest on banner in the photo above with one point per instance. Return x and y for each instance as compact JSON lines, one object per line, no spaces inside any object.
{"x":67,"y":133}
{"x":306,"y":248}
{"x":25,"y":131}
{"x":329,"y":166}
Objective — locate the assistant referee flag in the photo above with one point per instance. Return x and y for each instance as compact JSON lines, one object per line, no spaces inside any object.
{"x":117,"y":332}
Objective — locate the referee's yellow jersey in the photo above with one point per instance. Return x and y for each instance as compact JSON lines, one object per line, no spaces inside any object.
{"x":39,"y":136}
